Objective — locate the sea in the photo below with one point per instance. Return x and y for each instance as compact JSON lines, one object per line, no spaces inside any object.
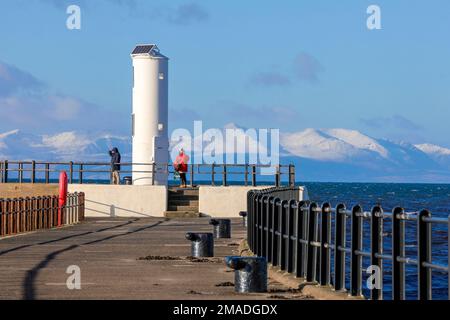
{"x":411,"y":197}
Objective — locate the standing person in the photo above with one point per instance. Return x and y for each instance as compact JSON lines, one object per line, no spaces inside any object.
{"x":181,"y":166}
{"x":115,"y":165}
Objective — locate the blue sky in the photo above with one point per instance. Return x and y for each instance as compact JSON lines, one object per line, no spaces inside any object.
{"x":278,"y":64}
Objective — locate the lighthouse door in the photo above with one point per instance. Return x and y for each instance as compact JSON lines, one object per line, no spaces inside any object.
{"x":161,"y":159}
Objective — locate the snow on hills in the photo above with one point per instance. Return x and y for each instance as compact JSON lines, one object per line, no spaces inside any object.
{"x":319,"y":154}
{"x":433,"y":149}
{"x":348,"y":155}
{"x":331,"y":145}
{"x":65,"y":146}
{"x":439,"y":154}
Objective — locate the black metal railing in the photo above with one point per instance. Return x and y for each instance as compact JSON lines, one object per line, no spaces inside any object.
{"x":21,"y":215}
{"x":297,"y":236}
{"x":92,"y":172}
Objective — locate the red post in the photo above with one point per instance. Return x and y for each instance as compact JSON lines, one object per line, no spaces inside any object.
{"x":62,"y":195}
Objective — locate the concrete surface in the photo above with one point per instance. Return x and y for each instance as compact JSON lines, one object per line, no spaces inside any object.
{"x":17,"y":190}
{"x":152,"y":201}
{"x":108,"y":253}
{"x":123,"y":201}
{"x":227,"y":201}
{"x":311,"y":289}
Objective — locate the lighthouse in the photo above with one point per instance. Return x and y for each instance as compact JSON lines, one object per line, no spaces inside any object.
{"x":150,"y":116}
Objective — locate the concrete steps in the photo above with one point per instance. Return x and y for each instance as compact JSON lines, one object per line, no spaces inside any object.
{"x":183,"y":203}
{"x":183,"y":208}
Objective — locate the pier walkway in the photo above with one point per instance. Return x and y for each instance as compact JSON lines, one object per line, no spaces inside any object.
{"x":109,"y":254}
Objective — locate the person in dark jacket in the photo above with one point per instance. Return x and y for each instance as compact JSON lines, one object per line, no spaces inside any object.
{"x":115,"y":165}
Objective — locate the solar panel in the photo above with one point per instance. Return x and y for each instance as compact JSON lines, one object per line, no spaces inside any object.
{"x":143,"y":49}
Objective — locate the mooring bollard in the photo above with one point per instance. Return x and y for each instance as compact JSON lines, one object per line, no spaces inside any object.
{"x":250,"y":273}
{"x":243,"y":214}
{"x":202,"y":244}
{"x":222,"y":228}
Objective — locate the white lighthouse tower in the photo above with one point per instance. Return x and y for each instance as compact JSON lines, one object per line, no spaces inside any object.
{"x":150,"y":116}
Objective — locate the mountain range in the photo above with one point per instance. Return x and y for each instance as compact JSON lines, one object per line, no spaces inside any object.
{"x":337,"y":155}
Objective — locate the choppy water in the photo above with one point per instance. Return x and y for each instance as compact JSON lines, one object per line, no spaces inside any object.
{"x":412,"y":197}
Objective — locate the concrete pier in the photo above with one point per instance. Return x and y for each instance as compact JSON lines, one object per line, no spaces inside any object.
{"x":123,"y":258}
{"x":127,"y":201}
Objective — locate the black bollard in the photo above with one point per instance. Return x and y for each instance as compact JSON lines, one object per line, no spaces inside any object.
{"x":222,"y":228}
{"x":202,"y":244}
{"x":243,"y":214}
{"x":250,"y":273}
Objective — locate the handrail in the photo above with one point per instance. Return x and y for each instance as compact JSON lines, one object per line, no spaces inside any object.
{"x":41,"y":171}
{"x":297,"y":236}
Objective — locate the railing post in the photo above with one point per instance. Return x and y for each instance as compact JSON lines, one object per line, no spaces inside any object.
{"x":33,"y":171}
{"x":269,"y":224}
{"x":33,"y":213}
{"x":376,"y":228}
{"x":398,"y":250}
{"x":277,"y":176}
{"x":263,"y":222}
{"x":45,"y":212}
{"x":47,"y":173}
{"x":424,"y":255}
{"x":2,"y":218}
{"x":250,"y":204}
{"x":290,"y":231}
{"x":325,"y":266}
{"x":311,"y":234}
{"x":257,"y":244}
{"x":275,"y":228}
{"x":192,"y":174}
{"x":291,"y":175}
{"x":20,"y":172}
{"x":224,"y":175}
{"x":70,"y":172}
{"x":253,"y":175}
{"x":50,"y":211}
{"x":23,"y":215}
{"x":80,"y":174}
{"x":10,"y":222}
{"x":40,"y":212}
{"x":283,"y":225}
{"x":253,"y":219}
{"x":356,"y":258}
{"x":300,"y":236}
{"x":28,"y":214}
{"x":16,"y":213}
{"x":246,"y":175}
{"x":339,"y":243}
{"x":5,"y":174}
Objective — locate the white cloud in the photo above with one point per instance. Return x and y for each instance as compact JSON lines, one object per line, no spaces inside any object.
{"x":4,"y":136}
{"x":65,"y":142}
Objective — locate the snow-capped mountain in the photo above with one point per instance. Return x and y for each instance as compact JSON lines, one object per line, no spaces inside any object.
{"x":319,"y":154}
{"x":338,"y":145}
{"x":66,"y":146}
{"x":439,"y":154}
{"x":348,"y":155}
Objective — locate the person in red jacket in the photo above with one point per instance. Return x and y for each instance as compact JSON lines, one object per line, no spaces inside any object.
{"x":181,"y":166}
